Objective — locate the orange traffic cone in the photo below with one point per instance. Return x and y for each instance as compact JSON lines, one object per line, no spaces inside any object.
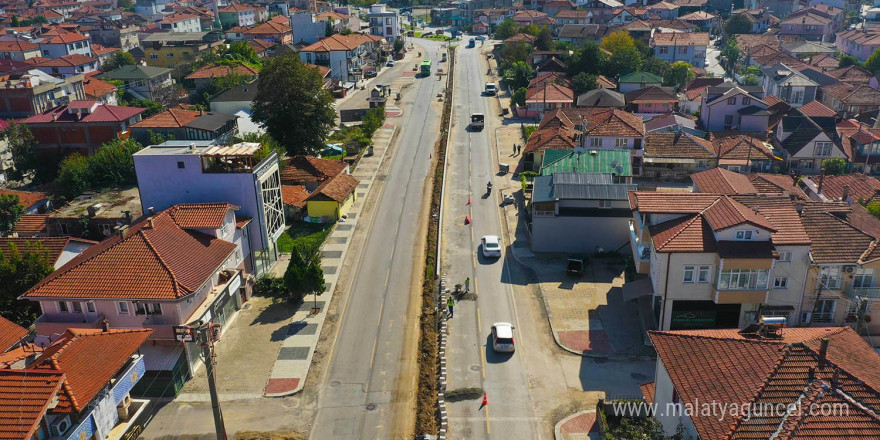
{"x":469,"y":200}
{"x":485,"y":400}
{"x":467,"y":219}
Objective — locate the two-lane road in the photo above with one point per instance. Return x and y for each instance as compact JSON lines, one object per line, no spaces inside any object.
{"x":363,"y":391}
{"x":471,"y":360}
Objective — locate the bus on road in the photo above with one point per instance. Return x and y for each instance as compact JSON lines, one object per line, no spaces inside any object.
{"x":426,"y":67}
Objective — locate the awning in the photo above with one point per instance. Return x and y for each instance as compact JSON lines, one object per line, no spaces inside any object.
{"x":634,"y":289}
{"x":777,"y":308}
{"x":669,"y":160}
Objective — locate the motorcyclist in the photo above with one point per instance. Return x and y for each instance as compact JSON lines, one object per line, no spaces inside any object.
{"x":489,"y":187}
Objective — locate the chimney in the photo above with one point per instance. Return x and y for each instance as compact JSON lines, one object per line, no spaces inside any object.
{"x":150,"y":222}
{"x":823,"y":352}
{"x":105,"y":325}
{"x":127,"y":217}
{"x":811,"y":374}
{"x":835,"y":378}
{"x":821,"y":181}
{"x":151,"y":210}
{"x":799,"y":207}
{"x":845,"y":193}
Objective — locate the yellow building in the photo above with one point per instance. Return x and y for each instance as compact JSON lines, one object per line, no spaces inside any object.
{"x":333,"y":198}
{"x":173,"y":49}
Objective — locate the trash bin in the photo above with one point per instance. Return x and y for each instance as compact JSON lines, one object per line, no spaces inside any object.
{"x":504,"y":168}
{"x":370,"y":150}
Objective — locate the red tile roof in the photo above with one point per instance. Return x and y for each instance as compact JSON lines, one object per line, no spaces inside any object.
{"x":170,"y":118}
{"x":294,"y":195}
{"x":89,"y":358}
{"x":102,"y":113}
{"x":550,"y":92}
{"x":339,"y":42}
{"x":304,"y":169}
{"x":816,"y":108}
{"x":614,"y":122}
{"x":200,"y":215}
{"x":30,"y":224}
{"x":722,"y":181}
{"x":550,"y":139}
{"x":680,"y":39}
{"x":521,"y":38}
{"x":860,"y":186}
{"x":10,"y":334}
{"x":684,"y":234}
{"x":270,"y":27}
{"x":337,"y":189}
{"x":95,"y":88}
{"x":157,"y":259}
{"x":237,"y":7}
{"x":27,"y":198}
{"x":67,"y":61}
{"x":727,"y":366}
{"x":54,"y":246}
{"x":836,"y":240}
{"x":222,"y":72}
{"x":64,"y":38}
{"x":25,"y":395}
{"x":725,"y":213}
{"x":18,"y":46}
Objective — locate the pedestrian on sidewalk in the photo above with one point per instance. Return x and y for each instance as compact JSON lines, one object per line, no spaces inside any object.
{"x":519,"y":149}
{"x":514,"y":149}
{"x":467,"y":285}
{"x":449,"y":303}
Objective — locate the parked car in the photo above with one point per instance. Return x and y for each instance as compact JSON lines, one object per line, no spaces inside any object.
{"x":390,"y":63}
{"x":370,"y":74}
{"x":502,"y":337}
{"x":491,"y":89}
{"x":491,"y":246}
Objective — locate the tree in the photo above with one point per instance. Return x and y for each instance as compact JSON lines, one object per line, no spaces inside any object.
{"x":519,"y":96}
{"x":834,"y":166}
{"x":584,"y":82}
{"x":11,"y":211}
{"x":656,"y":66}
{"x":738,"y":24}
{"x":24,"y":152}
{"x":750,"y":80}
{"x":19,"y":271}
{"x":328,"y":28}
{"x":511,"y":53}
{"x":731,"y":54}
{"x":518,"y":75}
{"x":620,"y":40}
{"x":874,"y":208}
{"x":872,"y":64}
{"x":544,"y":39}
{"x":637,"y":429}
{"x":506,"y":29}
{"x":848,"y":60}
{"x":240,"y":51}
{"x":118,"y":59}
{"x":589,"y":58}
{"x":398,"y":46}
{"x":304,"y":274}
{"x":531,"y":29}
{"x":624,"y":60}
{"x":293,"y":106}
{"x":372,"y":120}
{"x":113,"y":164}
{"x":15,"y":21}
{"x":678,"y":74}
{"x":73,"y":176}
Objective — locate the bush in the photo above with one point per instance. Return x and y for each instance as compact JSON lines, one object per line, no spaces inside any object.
{"x":268,"y":285}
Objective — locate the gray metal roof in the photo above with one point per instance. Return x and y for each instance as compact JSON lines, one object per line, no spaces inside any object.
{"x":579,"y":186}
{"x":211,"y":121}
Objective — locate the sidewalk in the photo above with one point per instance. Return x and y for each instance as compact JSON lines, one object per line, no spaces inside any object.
{"x":288,"y":375}
{"x":578,"y":426}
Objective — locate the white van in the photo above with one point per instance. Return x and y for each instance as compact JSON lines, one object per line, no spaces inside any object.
{"x":491,"y":89}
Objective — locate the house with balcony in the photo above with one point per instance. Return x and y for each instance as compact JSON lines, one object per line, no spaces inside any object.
{"x":178,"y":172}
{"x":345,"y":55}
{"x":81,"y":126}
{"x":68,"y":65}
{"x":174,"y":49}
{"x":863,"y":141}
{"x":789,"y":85}
{"x":719,"y":261}
{"x":807,"y":141}
{"x":760,"y":367}
{"x":77,"y":386}
{"x":172,"y":267}
{"x":273,"y":31}
{"x":679,"y":154}
{"x":546,"y":96}
{"x":65,"y":43}
{"x":616,"y":129}
{"x":19,"y":50}
{"x":728,"y":106}
{"x":843,"y":265}
{"x":144,"y":82}
{"x":32,"y":92}
{"x":689,"y":47}
{"x":860,"y":43}
{"x":651,"y":101}
{"x":384,"y":22}
{"x":809,"y":26}
{"x":849,"y":99}
{"x":237,"y":14}
{"x":180,"y":23}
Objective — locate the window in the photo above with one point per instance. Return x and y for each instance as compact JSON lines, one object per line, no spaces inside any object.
{"x":864,"y":277}
{"x":824,"y":310}
{"x":784,"y":255}
{"x":823,"y":149}
{"x":106,"y":229}
{"x":703,"y":274}
{"x":688,"y":274}
{"x":683,"y":50}
{"x":728,"y":119}
{"x":144,"y":308}
{"x":743,"y":235}
{"x":605,"y":203}
{"x":62,"y":307}
{"x":747,"y":101}
{"x":169,"y":55}
{"x":63,"y":229}
{"x":596,"y":142}
{"x":180,"y":164}
{"x":620,"y":142}
{"x":122,"y":307}
{"x":743,"y":279}
{"x":154,"y":56}
{"x":780,"y":283}
{"x":664,"y":50}
{"x":731,"y":101}
{"x":829,"y":276}
{"x":90,"y":307}
{"x":77,"y":307}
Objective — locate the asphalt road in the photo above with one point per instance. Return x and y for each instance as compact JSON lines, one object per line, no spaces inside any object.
{"x":471,"y":360}
{"x":358,"y":392}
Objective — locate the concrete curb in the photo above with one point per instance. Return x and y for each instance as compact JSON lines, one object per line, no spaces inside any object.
{"x":557,"y":429}
{"x":441,"y":395}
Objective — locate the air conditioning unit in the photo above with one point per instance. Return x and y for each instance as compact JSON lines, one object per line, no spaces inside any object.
{"x":60,"y":426}
{"x":849,"y":269}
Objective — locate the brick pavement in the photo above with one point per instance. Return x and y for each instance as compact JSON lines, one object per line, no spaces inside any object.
{"x":578,"y":426}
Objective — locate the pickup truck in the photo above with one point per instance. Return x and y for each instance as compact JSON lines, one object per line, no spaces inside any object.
{"x":477,"y":121}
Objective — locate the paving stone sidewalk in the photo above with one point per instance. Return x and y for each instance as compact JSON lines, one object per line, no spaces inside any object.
{"x":578,"y":426}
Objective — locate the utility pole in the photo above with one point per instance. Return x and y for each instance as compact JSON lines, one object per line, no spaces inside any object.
{"x":206,"y":338}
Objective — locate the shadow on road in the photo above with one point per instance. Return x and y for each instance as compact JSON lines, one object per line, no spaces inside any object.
{"x":494,"y":357}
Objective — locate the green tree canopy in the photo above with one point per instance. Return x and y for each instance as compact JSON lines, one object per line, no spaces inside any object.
{"x":19,"y":271}
{"x":619,"y":40}
{"x":24,"y":153}
{"x":589,"y":59}
{"x":848,"y":60}
{"x":531,"y":29}
{"x":304,"y":274}
{"x":834,"y":166}
{"x":506,"y":29}
{"x":118,"y":59}
{"x":738,"y":24}
{"x":656,"y":66}
{"x":11,"y":211}
{"x":398,"y":46}
{"x":519,"y":96}
{"x":73,"y":176}
{"x":678,"y":74}
{"x":584,"y":82}
{"x":293,"y":106}
{"x":518,"y":75}
{"x":113,"y":164}
{"x":872,"y":64}
{"x":731,"y":54}
{"x":624,"y":60}
{"x":544,"y":39}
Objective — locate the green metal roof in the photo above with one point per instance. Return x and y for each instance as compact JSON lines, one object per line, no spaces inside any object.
{"x":640,"y":77}
{"x":134,"y":72}
{"x":616,"y":162}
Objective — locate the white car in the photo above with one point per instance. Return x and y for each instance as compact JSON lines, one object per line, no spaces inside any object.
{"x":491,"y":246}
{"x":502,"y":337}
{"x":390,"y":63}
{"x":491,"y":89}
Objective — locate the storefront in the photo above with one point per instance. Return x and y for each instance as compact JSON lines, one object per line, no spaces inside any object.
{"x":704,"y":315}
